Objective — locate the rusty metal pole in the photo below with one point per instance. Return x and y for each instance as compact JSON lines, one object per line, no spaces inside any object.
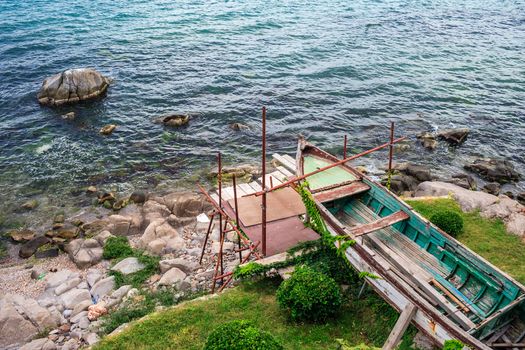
{"x":391,"y":148}
{"x":206,"y":239}
{"x":263,"y":207}
{"x":344,"y":148}
{"x":219,"y":181}
{"x":237,"y":214}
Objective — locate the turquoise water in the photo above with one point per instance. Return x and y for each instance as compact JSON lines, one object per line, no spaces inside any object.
{"x":323,"y":69}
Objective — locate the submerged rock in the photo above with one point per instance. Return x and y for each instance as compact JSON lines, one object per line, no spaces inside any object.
{"x":464,"y":180}
{"x":454,"y":137}
{"x":138,"y":197}
{"x":72,"y":85}
{"x":22,"y":235}
{"x":492,"y":188}
{"x":494,"y":170}
{"x":175,"y":120}
{"x":108,"y":129}
{"x":428,"y":140}
{"x":29,"y":248}
{"x":239,"y":127}
{"x":69,"y":116}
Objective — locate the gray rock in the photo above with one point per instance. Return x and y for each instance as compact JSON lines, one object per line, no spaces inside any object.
{"x":516,"y":224}
{"x":37,"y":314}
{"x":495,"y":170}
{"x":84,"y":253}
{"x":82,"y":306}
{"x":71,"y":344}
{"x":93,"y":276}
{"x":120,"y":293}
{"x":73,"y":297}
{"x":156,"y":247}
{"x":91,"y":338}
{"x":83,"y":323}
{"x":423,"y":342}
{"x":15,"y":328}
{"x":68,"y":285}
{"x":103,"y":236}
{"x":55,"y":279}
{"x":78,"y":317}
{"x":428,"y":140}
{"x":492,"y":188}
{"x":187,"y":266}
{"x":468,"y":200}
{"x":128,"y":266}
{"x":71,"y":86}
{"x":138,"y":197}
{"x":174,"y":276}
{"x":36,"y":344}
{"x":29,"y":248}
{"x":103,"y":287}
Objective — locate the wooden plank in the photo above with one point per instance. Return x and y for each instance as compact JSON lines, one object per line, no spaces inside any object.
{"x":379,"y":224}
{"x":343,"y":191}
{"x":247,"y":188}
{"x":215,"y":197}
{"x":270,"y":183}
{"x":285,"y":171}
{"x":290,"y":165}
{"x":279,"y":176}
{"x":289,"y":159}
{"x":399,"y":329}
{"x":240,"y":191}
{"x":419,"y":277}
{"x":227,"y":193}
{"x":255,"y":185}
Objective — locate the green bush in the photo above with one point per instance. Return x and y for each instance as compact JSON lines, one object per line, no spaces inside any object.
{"x":240,"y":335}
{"x":453,"y":345}
{"x":449,"y":221}
{"x":309,"y":295}
{"x":117,"y":247}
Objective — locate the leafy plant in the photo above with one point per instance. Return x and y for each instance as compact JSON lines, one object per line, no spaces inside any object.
{"x":241,"y":335}
{"x":453,"y":344}
{"x":117,"y":247}
{"x":449,"y":221}
{"x":309,"y":295}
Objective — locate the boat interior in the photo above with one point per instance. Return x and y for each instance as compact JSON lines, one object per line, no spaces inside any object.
{"x":461,"y":285}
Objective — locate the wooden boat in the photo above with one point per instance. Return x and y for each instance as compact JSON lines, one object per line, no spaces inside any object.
{"x":442,"y":287}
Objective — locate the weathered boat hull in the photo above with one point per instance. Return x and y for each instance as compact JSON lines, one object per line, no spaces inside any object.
{"x":485,"y":297}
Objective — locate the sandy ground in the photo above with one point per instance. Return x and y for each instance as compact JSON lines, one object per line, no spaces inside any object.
{"x":16,"y":279}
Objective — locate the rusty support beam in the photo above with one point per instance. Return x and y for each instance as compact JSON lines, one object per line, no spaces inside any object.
{"x":216,"y":205}
{"x":236,"y":213}
{"x":302,"y":177}
{"x":206,"y":239}
{"x":242,"y":262}
{"x":263,"y":206}
{"x":391,"y":148}
{"x":221,"y":231}
{"x":344,"y":147}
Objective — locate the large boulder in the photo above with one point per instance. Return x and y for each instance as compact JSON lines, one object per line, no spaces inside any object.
{"x":72,"y":85}
{"x":173,"y":276}
{"x":494,"y":170}
{"x":186,"y":204}
{"x":84,"y":253}
{"x":22,"y":318}
{"x":468,"y":200}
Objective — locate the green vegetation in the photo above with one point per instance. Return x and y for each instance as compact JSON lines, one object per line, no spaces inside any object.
{"x":486,"y":237}
{"x":241,"y":335}
{"x":343,"y":345}
{"x":118,"y":248}
{"x":309,"y":296}
{"x":187,"y":326}
{"x":141,"y":305}
{"x":449,"y":221}
{"x":453,"y":345}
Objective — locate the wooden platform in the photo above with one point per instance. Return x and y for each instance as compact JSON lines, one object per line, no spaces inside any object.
{"x":280,"y":234}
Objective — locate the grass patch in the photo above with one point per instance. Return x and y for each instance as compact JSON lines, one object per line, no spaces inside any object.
{"x":367,"y":321}
{"x":140,"y":306}
{"x":118,"y":248}
{"x":486,"y":237}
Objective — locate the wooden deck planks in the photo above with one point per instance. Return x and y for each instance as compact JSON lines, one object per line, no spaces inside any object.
{"x":288,"y":162}
{"x":379,"y":224}
{"x":400,"y":327}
